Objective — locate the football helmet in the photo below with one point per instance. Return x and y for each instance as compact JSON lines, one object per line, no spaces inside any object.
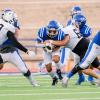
{"x":76,"y":10}
{"x":79,"y":19}
{"x":7,"y":15}
{"x":52,"y":28}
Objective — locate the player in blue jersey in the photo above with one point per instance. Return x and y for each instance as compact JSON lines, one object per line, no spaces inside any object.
{"x":51,"y":32}
{"x":85,"y":31}
{"x":76,"y":43}
{"x":92,"y":52}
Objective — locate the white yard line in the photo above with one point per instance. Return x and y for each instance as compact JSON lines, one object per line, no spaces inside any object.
{"x":61,"y":89}
{"x":75,"y":99}
{"x":45,"y":93}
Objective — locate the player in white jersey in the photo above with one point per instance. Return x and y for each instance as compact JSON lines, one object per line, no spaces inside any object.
{"x":92,"y":52}
{"x":77,"y":43}
{"x":8,"y":52}
{"x":86,"y":32}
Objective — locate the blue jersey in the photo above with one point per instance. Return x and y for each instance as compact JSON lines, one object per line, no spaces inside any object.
{"x":85,"y":30}
{"x":96,"y":39}
{"x":43,"y":35}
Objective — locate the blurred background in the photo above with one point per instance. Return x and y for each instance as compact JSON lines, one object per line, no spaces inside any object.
{"x":33,"y":14}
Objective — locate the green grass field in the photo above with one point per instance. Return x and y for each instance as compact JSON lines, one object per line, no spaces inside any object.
{"x":18,"y":88}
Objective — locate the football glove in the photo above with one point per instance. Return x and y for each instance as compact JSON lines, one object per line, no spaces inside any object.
{"x":31,"y":53}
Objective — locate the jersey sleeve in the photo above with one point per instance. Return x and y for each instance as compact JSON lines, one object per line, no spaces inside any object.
{"x":61,"y":35}
{"x":86,"y":31}
{"x":10,"y":28}
{"x":69,"y":22}
{"x":17,"y":24}
{"x":40,"y":35}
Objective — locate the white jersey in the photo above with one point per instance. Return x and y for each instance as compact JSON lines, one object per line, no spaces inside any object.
{"x":4,"y":28}
{"x":75,"y":36}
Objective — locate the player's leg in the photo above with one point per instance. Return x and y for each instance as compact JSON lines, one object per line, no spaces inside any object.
{"x":91,"y":72}
{"x":80,"y":74}
{"x":90,"y":78}
{"x":1,"y":66}
{"x":86,"y":61}
{"x":16,"y":59}
{"x":48,"y":64}
{"x":56,"y":59}
{"x":91,"y":57}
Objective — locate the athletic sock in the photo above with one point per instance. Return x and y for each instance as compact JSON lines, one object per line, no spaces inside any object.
{"x":52,"y":74}
{"x":73,"y":71}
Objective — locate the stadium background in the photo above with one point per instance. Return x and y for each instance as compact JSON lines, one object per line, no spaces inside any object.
{"x":33,"y":14}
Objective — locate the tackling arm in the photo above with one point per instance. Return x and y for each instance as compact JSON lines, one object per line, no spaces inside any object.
{"x":62,"y":42}
{"x":11,"y":36}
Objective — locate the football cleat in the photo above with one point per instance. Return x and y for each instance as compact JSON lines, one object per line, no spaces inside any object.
{"x":35,"y":84}
{"x":97,"y":82}
{"x":80,"y":80}
{"x":91,"y":80}
{"x":65,"y":81}
{"x":55,"y":81}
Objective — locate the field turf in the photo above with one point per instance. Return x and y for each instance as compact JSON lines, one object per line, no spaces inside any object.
{"x":18,"y":88}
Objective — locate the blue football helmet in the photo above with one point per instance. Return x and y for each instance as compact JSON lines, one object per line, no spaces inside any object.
{"x":76,"y":10}
{"x":80,"y":20}
{"x":52,"y":28}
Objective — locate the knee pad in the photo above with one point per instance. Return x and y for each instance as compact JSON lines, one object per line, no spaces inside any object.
{"x":27,"y":74}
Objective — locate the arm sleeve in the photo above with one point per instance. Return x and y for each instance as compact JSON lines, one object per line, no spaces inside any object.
{"x":11,"y":36}
{"x":17,"y":24}
{"x":86,"y":31}
{"x":39,"y":36}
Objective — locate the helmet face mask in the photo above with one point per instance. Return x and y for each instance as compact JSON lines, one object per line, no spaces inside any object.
{"x":52,"y":32}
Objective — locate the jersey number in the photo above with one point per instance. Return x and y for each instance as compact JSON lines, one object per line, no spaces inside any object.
{"x":1,"y":26}
{"x":77,"y":33}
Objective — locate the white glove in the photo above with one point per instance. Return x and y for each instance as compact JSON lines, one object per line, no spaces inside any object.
{"x":31,"y":53}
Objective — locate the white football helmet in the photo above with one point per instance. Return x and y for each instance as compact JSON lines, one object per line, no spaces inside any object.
{"x":8,"y":15}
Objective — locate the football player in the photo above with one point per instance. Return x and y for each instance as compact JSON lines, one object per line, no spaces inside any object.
{"x":86,"y":32}
{"x":92,"y":52}
{"x":9,"y":44}
{"x":51,"y":32}
{"x":75,"y":42}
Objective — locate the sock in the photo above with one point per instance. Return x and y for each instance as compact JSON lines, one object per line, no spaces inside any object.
{"x":73,"y":71}
{"x":59,"y":74}
{"x":90,"y":78}
{"x":58,"y":70}
{"x":80,"y":74}
{"x":52,"y":74}
{"x":30,"y":78}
